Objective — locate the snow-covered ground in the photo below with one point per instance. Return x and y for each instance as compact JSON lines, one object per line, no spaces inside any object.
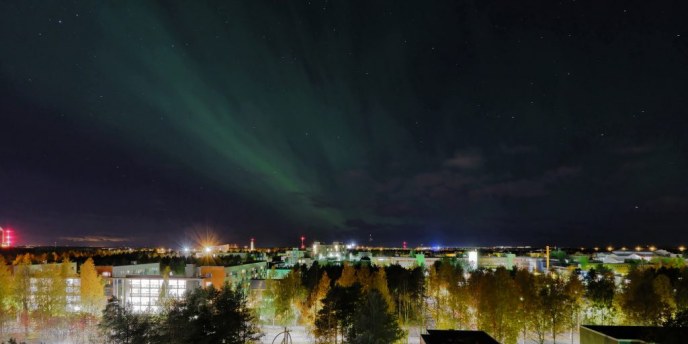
{"x":300,"y":335}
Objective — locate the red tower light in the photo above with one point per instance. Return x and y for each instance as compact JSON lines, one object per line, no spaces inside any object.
{"x":303,"y":243}
{"x":404,"y":245}
{"x":5,"y":237}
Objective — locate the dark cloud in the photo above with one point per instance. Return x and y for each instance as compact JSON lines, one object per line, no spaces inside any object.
{"x":518,"y":149}
{"x":668,"y":205}
{"x":634,"y":149}
{"x":525,"y":188}
{"x":465,"y":160}
{"x":517,"y":189}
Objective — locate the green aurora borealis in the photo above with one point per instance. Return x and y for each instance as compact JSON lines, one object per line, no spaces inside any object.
{"x":455,"y":123}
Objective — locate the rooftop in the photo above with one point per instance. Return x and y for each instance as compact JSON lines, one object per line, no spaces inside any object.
{"x":457,"y":337}
{"x":649,"y":334}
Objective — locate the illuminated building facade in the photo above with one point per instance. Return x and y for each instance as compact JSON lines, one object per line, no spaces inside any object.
{"x":241,"y":275}
{"x":145,"y":294}
{"x":334,"y":252}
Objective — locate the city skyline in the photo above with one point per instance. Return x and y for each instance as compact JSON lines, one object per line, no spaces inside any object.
{"x":457,"y":123}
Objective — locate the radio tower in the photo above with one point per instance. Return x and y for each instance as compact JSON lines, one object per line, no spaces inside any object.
{"x":5,"y":237}
{"x":303,"y":243}
{"x":404,"y":245}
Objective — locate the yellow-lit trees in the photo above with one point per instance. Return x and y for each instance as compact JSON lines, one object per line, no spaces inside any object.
{"x":316,"y":297}
{"x":458,"y":297}
{"x":289,"y":297}
{"x":91,"y":289}
{"x":647,"y":299}
{"x":50,"y":292}
{"x":348,"y":277}
{"x":661,"y":285}
{"x":266,"y":308}
{"x":574,"y":291}
{"x":495,"y":297}
{"x":364,"y":277}
{"x":538,"y":317}
{"x":6,"y":282}
{"x":446,"y":289}
{"x":555,"y":305}
{"x":437,"y":295}
{"x":527,"y":297}
{"x":379,"y":283}
{"x":22,"y":287}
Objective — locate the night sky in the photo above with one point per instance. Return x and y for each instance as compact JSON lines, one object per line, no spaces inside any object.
{"x":437,"y":123}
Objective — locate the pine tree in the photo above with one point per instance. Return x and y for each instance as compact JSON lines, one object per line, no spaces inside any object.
{"x":208,"y":315}
{"x":337,"y":314}
{"x":373,"y":322}
{"x":120,"y":326}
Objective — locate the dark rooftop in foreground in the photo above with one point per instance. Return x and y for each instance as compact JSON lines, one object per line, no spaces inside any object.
{"x":592,"y":334}
{"x":457,"y":337}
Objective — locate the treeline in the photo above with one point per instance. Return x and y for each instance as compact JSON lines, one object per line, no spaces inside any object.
{"x":36,"y":301}
{"x":206,"y":315}
{"x":355,"y":303}
{"x":338,"y":304}
{"x":114,"y":257}
{"x":508,"y":304}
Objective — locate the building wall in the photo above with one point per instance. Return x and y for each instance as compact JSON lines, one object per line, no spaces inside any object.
{"x":136,"y":269}
{"x":212,"y":275}
{"x":142,"y":294}
{"x":242,"y":274}
{"x":104,"y":270}
{"x":38,"y":286}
